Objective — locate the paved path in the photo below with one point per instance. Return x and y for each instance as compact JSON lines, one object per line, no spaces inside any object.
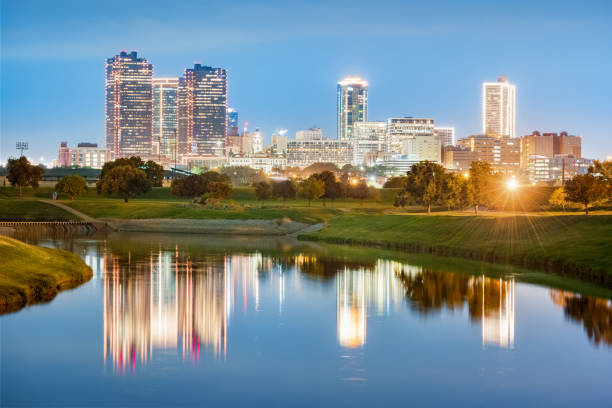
{"x":95,"y":222}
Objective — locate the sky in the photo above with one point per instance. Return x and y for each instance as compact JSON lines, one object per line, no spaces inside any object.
{"x":284,"y":59}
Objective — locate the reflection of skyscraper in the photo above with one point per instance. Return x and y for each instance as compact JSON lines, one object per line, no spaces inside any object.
{"x":351,"y":308}
{"x":129,"y":107}
{"x":498,"y":312}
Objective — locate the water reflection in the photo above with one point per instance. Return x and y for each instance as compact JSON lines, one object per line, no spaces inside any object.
{"x":182,"y":302}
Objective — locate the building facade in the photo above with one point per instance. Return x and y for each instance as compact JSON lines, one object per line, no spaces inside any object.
{"x":400,"y":129}
{"x":314,"y":133}
{"x":259,"y":162}
{"x":232,"y":118}
{"x":549,"y":145}
{"x":129,"y":105}
{"x":303,"y":153}
{"x":503,"y":154}
{"x":422,"y":148}
{"x":446,"y":135}
{"x":369,"y":138}
{"x":555,"y":170}
{"x":202,"y":109}
{"x":165,"y":117}
{"x":278,"y":142}
{"x":84,"y":155}
{"x":499,"y":108}
{"x":352,"y":105}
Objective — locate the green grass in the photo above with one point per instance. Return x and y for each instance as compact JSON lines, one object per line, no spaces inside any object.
{"x":573,"y":245}
{"x":30,"y":274}
{"x":30,"y":210}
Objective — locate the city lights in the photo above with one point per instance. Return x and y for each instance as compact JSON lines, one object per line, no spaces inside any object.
{"x":511,"y":184}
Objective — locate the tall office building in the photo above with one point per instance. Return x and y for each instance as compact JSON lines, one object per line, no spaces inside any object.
{"x":352,"y":105}
{"x":202,"y":109}
{"x":369,"y":139}
{"x":498,"y":108}
{"x":401,"y":129}
{"x":165,"y":116}
{"x":446,"y":135}
{"x":129,"y":105}
{"x":232,"y":118}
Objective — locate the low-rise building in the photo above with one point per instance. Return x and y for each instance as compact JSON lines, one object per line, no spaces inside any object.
{"x":84,"y":155}
{"x":259,"y":162}
{"x":503,"y":154}
{"x":303,"y":153}
{"x":557,"y":169}
{"x":458,"y":158}
{"x":549,"y":145}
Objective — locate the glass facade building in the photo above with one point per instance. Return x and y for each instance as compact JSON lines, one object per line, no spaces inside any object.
{"x":352,"y":105}
{"x":202,"y":108}
{"x":165,"y":116}
{"x":129,"y":105}
{"x":232,"y":119}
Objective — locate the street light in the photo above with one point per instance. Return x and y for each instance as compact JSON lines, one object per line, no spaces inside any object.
{"x":511,"y":184}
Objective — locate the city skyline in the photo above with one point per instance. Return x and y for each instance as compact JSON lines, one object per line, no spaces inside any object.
{"x":570,"y":98}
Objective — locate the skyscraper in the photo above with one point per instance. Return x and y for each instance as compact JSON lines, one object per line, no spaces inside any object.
{"x":165,"y":117}
{"x":352,"y":105}
{"x":446,"y":135}
{"x":401,"y":129}
{"x":232,"y":119}
{"x":202,"y":124}
{"x":369,"y":139}
{"x":498,"y":108}
{"x":129,"y":105}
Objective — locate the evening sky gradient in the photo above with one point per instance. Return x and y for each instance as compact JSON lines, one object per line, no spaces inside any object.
{"x":421,"y":58}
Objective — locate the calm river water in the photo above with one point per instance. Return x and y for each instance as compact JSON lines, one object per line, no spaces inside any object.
{"x":196,"y":321}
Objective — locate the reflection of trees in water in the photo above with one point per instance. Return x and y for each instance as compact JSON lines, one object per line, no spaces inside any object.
{"x":595,"y":314}
{"x":327,"y":268}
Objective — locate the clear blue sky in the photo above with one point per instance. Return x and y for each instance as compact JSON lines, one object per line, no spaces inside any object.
{"x":284,"y":58}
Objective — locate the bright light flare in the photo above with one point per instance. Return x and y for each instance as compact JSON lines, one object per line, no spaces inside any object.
{"x":511,"y":184}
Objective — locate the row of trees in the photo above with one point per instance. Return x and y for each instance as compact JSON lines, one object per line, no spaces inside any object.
{"x":586,"y":189}
{"x":208,"y":184}
{"x":129,"y":177}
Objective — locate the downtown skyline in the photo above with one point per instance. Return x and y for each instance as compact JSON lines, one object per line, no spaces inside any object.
{"x":271,"y":87}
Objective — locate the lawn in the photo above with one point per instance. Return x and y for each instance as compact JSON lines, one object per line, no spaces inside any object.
{"x":31,"y":274}
{"x":31,"y":210}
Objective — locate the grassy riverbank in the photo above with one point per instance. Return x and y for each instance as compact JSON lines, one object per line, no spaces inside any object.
{"x":30,"y":210}
{"x":30,"y":274}
{"x":571,"y":245}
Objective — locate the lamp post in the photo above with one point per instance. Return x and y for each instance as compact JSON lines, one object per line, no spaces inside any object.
{"x":21,"y":146}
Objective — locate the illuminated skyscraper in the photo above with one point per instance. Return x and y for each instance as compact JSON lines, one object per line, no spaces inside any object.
{"x":165,"y":119}
{"x":498,"y":108}
{"x":202,"y":123}
{"x":129,"y":105}
{"x":352,"y":105}
{"x":232,"y":119}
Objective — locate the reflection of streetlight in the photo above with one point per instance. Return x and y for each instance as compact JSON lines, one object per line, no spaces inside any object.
{"x":511,"y":184}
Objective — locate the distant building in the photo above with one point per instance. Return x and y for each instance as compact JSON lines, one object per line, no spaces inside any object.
{"x":369,"y":138}
{"x":458,"y":157}
{"x":549,"y":145}
{"x":84,"y":155}
{"x":400,"y":129}
{"x":314,"y":133}
{"x":202,"y":108}
{"x":556,"y":169}
{"x":446,"y":135}
{"x":279,"y":141}
{"x":129,"y":105}
{"x":259,"y":162}
{"x":499,"y":108}
{"x":422,"y":148}
{"x":303,"y":153}
{"x":503,"y":154}
{"x":165,"y":116}
{"x":352,"y":105}
{"x":232,"y":118}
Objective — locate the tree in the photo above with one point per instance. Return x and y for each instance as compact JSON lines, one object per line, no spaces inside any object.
{"x":424,"y":184}
{"x":585,"y":189}
{"x":20,"y":173}
{"x":402,"y":199}
{"x":454,"y":191}
{"x":284,"y":189}
{"x":395,"y":182}
{"x":196,"y":185}
{"x":263,"y":191}
{"x":243,"y":175}
{"x":311,"y":189}
{"x":603,"y":171}
{"x":333,"y":188}
{"x":126,"y":181}
{"x":558,"y":198}
{"x":361,"y":191}
{"x":220,"y":190}
{"x":480,"y":184}
{"x":74,"y":185}
{"x":319,"y":168}
{"x":154,"y":172}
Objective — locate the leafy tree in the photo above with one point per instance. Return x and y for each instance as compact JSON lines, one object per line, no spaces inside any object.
{"x":558,"y":198}
{"x":284,"y":189}
{"x":402,"y":199}
{"x":20,"y":173}
{"x":126,"y":181}
{"x":154,"y":172}
{"x":361,"y":191}
{"x":74,"y":185}
{"x":395,"y":182}
{"x":220,"y":190}
{"x":197,"y":184}
{"x":311,"y":189}
{"x":263,"y":191}
{"x":480,"y":184}
{"x":319,"y":168}
{"x":603,"y":171}
{"x":585,"y":189}
{"x":333,"y":188}
{"x":455,"y":191}
{"x":243,"y":175}
{"x":424,"y":184}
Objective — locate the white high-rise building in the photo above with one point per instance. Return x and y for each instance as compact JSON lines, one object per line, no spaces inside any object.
{"x":352,"y":105}
{"x":369,"y":138}
{"x":499,"y":108}
{"x":446,"y":135}
{"x":165,"y":116}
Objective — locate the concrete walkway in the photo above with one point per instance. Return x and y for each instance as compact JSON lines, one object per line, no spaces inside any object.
{"x":95,"y":222}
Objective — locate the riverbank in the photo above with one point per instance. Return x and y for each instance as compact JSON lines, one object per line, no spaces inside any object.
{"x":31,"y":274}
{"x":571,"y":245}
